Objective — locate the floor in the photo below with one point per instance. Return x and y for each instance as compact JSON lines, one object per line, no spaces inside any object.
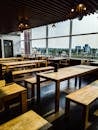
{"x":47,"y":104}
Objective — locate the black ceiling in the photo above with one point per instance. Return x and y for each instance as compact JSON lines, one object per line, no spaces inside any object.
{"x":39,"y":12}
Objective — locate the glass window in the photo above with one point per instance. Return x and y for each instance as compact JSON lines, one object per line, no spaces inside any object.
{"x":22,"y":47}
{"x":39,"y":43}
{"x":22,"y":35}
{"x":88,"y":24}
{"x":58,"y":46}
{"x":39,"y":32}
{"x":60,"y":29}
{"x":85,"y":46}
{"x":58,"y":42}
{"x":39,"y":46}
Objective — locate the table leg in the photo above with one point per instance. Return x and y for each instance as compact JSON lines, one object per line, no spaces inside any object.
{"x":67,"y":107}
{"x":57,"y":96}
{"x":38,"y":64}
{"x":24,"y":101}
{"x":26,"y":86}
{"x":38,"y":88}
{"x":85,"y":117}
{"x":76,"y":82}
{"x":68,"y":84}
{"x":79,"y":82}
{"x":46,"y":64}
{"x":32,"y":90}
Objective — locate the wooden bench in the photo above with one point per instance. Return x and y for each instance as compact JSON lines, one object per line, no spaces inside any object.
{"x":28,"y":71}
{"x":84,"y":96}
{"x":12,"y":91}
{"x":33,"y":81}
{"x":27,"y":121}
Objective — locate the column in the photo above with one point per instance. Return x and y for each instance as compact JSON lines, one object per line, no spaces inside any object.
{"x":27,"y":42}
{"x":46,"y":40}
{"x":70,"y":38}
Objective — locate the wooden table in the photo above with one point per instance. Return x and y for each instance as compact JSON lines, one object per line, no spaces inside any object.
{"x":14,"y":90}
{"x":27,"y":121}
{"x":61,"y":75}
{"x":22,"y":66}
{"x":84,"y":96}
{"x":26,"y":62}
{"x":10,"y":59}
{"x":94,"y":63}
{"x":56,"y":59}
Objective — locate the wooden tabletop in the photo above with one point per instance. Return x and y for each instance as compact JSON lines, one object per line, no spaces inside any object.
{"x":85,"y":95}
{"x":27,"y":121}
{"x":10,"y":90}
{"x":68,"y":72}
{"x":19,"y":66}
{"x":11,"y":58}
{"x":94,"y":63}
{"x":57,"y":58}
{"x":23,"y":62}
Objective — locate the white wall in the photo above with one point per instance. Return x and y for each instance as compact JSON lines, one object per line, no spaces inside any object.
{"x":16,"y":43}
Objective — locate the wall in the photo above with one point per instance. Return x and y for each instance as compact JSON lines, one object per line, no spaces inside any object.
{"x":16,"y":43}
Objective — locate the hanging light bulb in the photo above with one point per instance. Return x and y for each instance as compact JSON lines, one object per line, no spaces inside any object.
{"x":23,"y":24}
{"x":80,"y":8}
{"x":72,"y":10}
{"x":78,"y":11}
{"x":53,"y":25}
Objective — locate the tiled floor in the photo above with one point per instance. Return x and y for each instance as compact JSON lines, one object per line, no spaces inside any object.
{"x":47,"y":104}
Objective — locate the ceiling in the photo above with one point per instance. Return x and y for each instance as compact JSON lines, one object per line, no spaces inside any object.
{"x":39,"y":12}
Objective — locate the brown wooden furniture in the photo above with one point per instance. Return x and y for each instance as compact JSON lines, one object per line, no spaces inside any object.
{"x":65,"y":62}
{"x":37,"y":62}
{"x":2,"y":83}
{"x":61,"y":75}
{"x":94,"y":63}
{"x":23,"y":66}
{"x":56,"y":60}
{"x":14,"y":90}
{"x":2,"y":60}
{"x":33,"y":81}
{"x":27,"y":121}
{"x":84,"y":97}
{"x":27,"y":71}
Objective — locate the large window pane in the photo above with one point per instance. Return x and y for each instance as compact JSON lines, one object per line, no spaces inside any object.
{"x":85,"y":46}
{"x":39,"y":46}
{"x":22,"y":35}
{"x":60,"y":29}
{"x":39,"y":32}
{"x":58,"y":46}
{"x":22,"y":47}
{"x":88,"y":24}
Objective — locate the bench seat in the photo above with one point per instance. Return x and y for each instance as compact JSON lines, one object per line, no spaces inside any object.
{"x":84,"y":97}
{"x":19,"y":66}
{"x":33,"y":81}
{"x":29,"y":71}
{"x":27,"y":121}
